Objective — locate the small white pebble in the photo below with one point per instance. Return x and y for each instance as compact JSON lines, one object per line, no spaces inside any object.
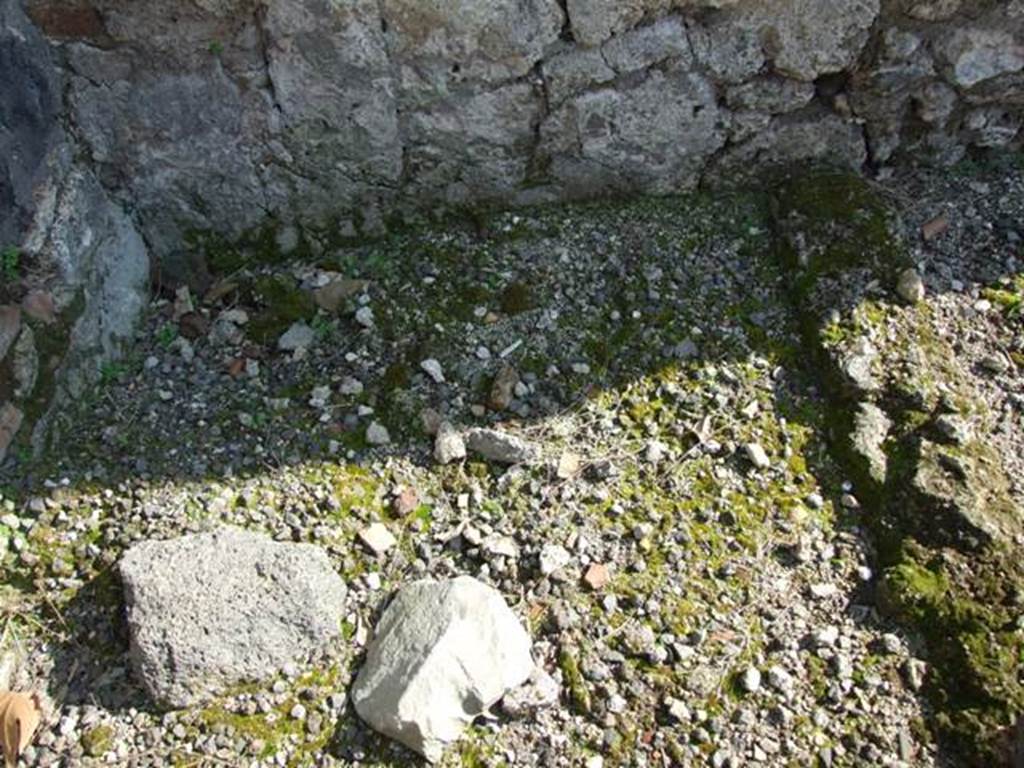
{"x":433,"y":370}
{"x":364,"y":316}
{"x":377,"y":434}
{"x":757,"y":456}
{"x":751,"y":679}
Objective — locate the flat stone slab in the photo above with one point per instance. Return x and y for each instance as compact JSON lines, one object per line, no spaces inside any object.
{"x":209,"y":611}
{"x":444,"y":653}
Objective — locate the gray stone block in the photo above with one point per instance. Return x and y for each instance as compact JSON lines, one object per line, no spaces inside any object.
{"x":209,"y":611}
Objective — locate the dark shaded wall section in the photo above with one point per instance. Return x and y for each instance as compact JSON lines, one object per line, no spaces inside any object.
{"x":73,"y":264}
{"x":30,"y":105}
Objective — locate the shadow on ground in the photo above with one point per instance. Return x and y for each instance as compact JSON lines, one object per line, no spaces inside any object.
{"x":632,"y":324}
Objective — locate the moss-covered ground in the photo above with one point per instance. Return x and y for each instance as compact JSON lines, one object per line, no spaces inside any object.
{"x":656,"y":340}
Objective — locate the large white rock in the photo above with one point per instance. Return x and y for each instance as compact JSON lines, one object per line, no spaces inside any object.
{"x":212,"y":610}
{"x":444,"y":652}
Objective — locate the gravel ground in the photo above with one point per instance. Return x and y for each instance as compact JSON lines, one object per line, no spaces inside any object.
{"x":973,"y":273}
{"x":690,"y":560}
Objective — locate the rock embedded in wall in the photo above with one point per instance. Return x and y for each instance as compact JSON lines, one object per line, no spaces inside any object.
{"x":572,"y":71}
{"x":808,"y":137}
{"x":437,"y":47}
{"x":769,"y":95}
{"x":884,"y":96}
{"x":25,"y":364}
{"x":473,"y":147}
{"x":106,"y":263}
{"x":334,"y":104}
{"x":934,"y":10}
{"x":655,"y":136}
{"x":975,"y":55}
{"x":802,"y":39}
{"x":731,"y":54}
{"x":468,"y":97}
{"x":594,"y":21}
{"x":11,"y":418}
{"x":648,"y":45}
{"x":179,"y":144}
{"x":992,"y":126}
{"x":10,"y":327}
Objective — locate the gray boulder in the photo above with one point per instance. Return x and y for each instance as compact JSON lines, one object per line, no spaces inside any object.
{"x":443,"y":654}
{"x":212,"y":610}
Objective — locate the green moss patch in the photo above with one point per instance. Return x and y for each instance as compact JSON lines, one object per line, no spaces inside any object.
{"x":944,"y":577}
{"x":283,"y":303}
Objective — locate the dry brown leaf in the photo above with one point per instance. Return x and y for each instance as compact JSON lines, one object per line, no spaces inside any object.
{"x":19,"y":718}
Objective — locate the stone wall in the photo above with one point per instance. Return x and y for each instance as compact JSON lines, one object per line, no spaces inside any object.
{"x":152,"y":126}
{"x":74,"y":268}
{"x":214,"y":114}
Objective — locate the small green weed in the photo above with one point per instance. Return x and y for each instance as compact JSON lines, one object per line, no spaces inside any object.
{"x":1010,"y":298}
{"x":10,"y":262}
{"x":166,"y":335}
{"x":322,"y":326}
{"x":112,"y":371}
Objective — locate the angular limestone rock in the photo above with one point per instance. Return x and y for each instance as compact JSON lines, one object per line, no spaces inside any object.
{"x":443,"y":654}
{"x":870,"y":429}
{"x":449,"y":445}
{"x":212,"y":610}
{"x":500,"y":446}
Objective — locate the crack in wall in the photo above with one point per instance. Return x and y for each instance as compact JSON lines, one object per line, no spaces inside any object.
{"x":566,"y":32}
{"x":536,"y":166}
{"x":395,"y":78}
{"x":264,"y":43}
